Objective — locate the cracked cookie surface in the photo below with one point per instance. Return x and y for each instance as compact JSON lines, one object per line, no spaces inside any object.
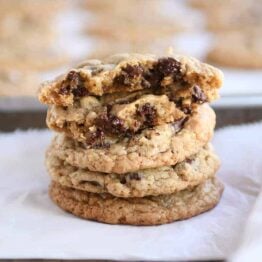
{"x":162,"y":145}
{"x":151,"y":210}
{"x":133,"y":72}
{"x":163,"y":180}
{"x":121,"y":118}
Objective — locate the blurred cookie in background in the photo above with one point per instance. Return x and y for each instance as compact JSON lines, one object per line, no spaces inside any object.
{"x":225,"y":15}
{"x":26,"y":57}
{"x":237,"y":49}
{"x":15,"y":83}
{"x":210,"y":4}
{"x":235,"y":15}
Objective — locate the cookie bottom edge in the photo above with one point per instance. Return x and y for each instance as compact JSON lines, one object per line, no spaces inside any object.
{"x":155,"y":210}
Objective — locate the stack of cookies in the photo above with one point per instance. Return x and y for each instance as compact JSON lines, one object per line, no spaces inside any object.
{"x":132,"y":143}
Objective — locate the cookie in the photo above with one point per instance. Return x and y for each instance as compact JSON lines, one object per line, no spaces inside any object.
{"x":225,"y":18}
{"x":132,"y":31}
{"x":133,"y":72}
{"x":151,"y":210}
{"x":113,"y":115}
{"x":163,"y":145}
{"x":209,"y":5}
{"x":163,"y":180}
{"x":26,"y":57}
{"x":18,"y":83}
{"x":236,"y":49}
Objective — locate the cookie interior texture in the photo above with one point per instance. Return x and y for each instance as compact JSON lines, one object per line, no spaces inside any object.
{"x":134,"y":72}
{"x":119,"y":118}
{"x":163,"y":180}
{"x":155,"y":147}
{"x":151,"y":210}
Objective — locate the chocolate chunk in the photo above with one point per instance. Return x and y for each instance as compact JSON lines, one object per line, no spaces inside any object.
{"x":94,"y":183}
{"x":97,"y":139}
{"x":130,"y":176}
{"x":169,"y":66}
{"x":152,"y":79}
{"x":189,"y":161}
{"x":121,"y":80}
{"x":80,"y":91}
{"x":133,"y":71}
{"x":164,"y":67}
{"x":198,"y":95}
{"x":134,"y":176}
{"x":148,"y":115}
{"x":123,"y":180}
{"x":128,"y":74}
{"x":110,"y":123}
{"x":178,"y":125}
{"x":65,"y":90}
{"x":75,"y":84}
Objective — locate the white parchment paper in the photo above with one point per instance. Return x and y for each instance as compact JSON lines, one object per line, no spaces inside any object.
{"x":31,"y":226}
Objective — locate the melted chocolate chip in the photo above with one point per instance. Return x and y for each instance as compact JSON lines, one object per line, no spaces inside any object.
{"x":164,"y":67}
{"x":127,"y":75}
{"x":148,"y":115}
{"x":75,"y":84}
{"x":133,"y":71}
{"x":65,"y":90}
{"x":198,"y":95}
{"x":178,"y":125}
{"x":94,"y":183}
{"x":80,"y":91}
{"x":97,"y":139}
{"x":169,"y":66}
{"x":110,"y":123}
{"x":123,"y":180}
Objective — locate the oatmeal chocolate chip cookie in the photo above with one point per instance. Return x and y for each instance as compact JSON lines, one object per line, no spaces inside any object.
{"x":236,"y":49}
{"x":133,"y":72}
{"x":151,"y":210}
{"x":163,"y":145}
{"x":28,"y":56}
{"x":226,"y":18}
{"x":163,"y":180}
{"x":18,"y":83}
{"x":125,"y":117}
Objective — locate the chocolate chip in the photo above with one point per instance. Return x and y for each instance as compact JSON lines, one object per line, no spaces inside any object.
{"x":162,"y":68}
{"x":128,"y":74}
{"x":152,"y":79}
{"x":148,"y":115}
{"x":110,"y":123}
{"x":178,"y":125}
{"x":75,"y":84}
{"x":94,"y":183}
{"x":189,"y":161}
{"x":198,"y":95}
{"x":133,"y":71}
{"x":120,"y":80}
{"x":134,"y":176}
{"x":123,"y":180}
{"x":97,"y":139}
{"x":169,"y":66}
{"x":79,"y":91}
{"x":130,"y":176}
{"x":65,"y":90}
